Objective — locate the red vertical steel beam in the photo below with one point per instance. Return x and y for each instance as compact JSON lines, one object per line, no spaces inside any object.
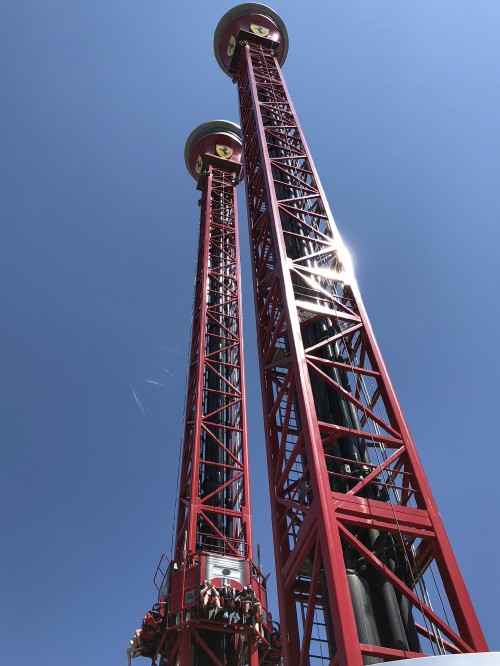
{"x":364,"y":567}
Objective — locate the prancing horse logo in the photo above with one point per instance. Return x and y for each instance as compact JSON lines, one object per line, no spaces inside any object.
{"x":231,"y":46}
{"x":223,"y":151}
{"x":259,"y":30}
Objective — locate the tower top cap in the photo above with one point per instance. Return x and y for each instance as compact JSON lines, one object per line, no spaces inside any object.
{"x":249,"y":16}
{"x":212,"y":137}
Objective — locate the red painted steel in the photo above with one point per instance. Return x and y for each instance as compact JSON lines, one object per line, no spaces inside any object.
{"x":216,"y":348}
{"x":214,"y":532}
{"x":352,"y":510}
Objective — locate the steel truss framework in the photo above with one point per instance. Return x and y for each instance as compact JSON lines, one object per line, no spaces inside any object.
{"x":351,"y":506}
{"x":214,"y":512}
{"x":214,"y":504}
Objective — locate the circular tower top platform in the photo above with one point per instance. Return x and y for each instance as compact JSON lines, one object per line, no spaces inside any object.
{"x":251,"y":17}
{"x":216,"y":137}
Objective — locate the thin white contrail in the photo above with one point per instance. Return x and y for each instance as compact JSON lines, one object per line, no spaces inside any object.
{"x":138,"y":401}
{"x":153,"y":381}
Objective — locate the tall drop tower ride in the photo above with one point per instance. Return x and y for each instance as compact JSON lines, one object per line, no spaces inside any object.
{"x":195,"y":623}
{"x":365,"y":570}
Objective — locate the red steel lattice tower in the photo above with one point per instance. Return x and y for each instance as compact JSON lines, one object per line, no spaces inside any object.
{"x":364,"y":567}
{"x":213,"y":537}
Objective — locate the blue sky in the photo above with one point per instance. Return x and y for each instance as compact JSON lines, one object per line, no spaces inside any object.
{"x":399,"y":102}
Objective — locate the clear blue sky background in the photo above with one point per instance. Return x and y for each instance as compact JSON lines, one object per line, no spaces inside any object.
{"x":399,"y":102}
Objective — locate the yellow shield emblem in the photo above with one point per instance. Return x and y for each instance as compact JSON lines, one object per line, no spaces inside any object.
{"x":223,"y":151}
{"x":199,"y":164}
{"x":231,"y":46}
{"x":259,"y":30}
